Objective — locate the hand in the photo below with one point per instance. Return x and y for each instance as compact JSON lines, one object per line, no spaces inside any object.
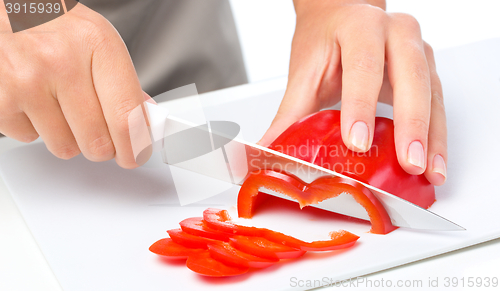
{"x":70,"y":81}
{"x":361,"y":54}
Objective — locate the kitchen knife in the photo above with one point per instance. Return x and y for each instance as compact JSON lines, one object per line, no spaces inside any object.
{"x":214,"y":149}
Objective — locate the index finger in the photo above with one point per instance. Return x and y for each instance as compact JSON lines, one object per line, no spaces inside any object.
{"x":363,"y":61}
{"x":118,"y":90}
{"x":410,"y":79}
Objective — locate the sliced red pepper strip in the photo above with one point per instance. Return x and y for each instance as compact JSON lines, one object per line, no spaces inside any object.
{"x":271,"y":180}
{"x":167,"y":248}
{"x":220,"y":220}
{"x":340,"y":240}
{"x":259,"y":246}
{"x":306,"y":194}
{"x":230,"y":256}
{"x":379,"y":218}
{"x":197,"y":226}
{"x":203,"y":264}
{"x":190,"y":241}
{"x":220,"y":217}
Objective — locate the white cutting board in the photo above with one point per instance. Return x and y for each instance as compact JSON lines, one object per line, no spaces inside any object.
{"x":94,"y":222}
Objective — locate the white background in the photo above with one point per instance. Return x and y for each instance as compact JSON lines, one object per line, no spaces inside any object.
{"x":266,"y":28}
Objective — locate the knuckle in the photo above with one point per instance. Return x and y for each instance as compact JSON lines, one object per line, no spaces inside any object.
{"x":94,"y":37}
{"x":406,"y":21}
{"x":419,"y":125}
{"x":437,"y":100}
{"x":100,"y":149}
{"x":437,"y":145}
{"x":363,"y":105}
{"x":366,"y":62}
{"x":420,"y":72}
{"x":373,"y":14}
{"x":429,"y":52}
{"x":92,"y":29}
{"x":27,"y":79}
{"x":121,"y":115}
{"x":66,"y":151}
{"x":51,"y":52}
{"x":7,"y":66}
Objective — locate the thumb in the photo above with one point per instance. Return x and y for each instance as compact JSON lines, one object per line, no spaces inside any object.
{"x":306,"y":89}
{"x":148,"y":98}
{"x":293,"y":107}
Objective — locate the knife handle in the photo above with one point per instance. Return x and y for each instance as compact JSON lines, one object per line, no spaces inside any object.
{"x":157,"y":116}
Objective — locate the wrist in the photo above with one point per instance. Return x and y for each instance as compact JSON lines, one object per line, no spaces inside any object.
{"x":305,"y":5}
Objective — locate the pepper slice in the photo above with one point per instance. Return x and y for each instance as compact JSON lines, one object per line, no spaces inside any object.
{"x":203,"y":264}
{"x":167,"y":248}
{"x":231,"y":256}
{"x":198,"y":227}
{"x":259,"y":246}
{"x":340,"y":240}
{"x":216,"y":258}
{"x":306,"y":194}
{"x":190,"y":241}
{"x":220,"y":218}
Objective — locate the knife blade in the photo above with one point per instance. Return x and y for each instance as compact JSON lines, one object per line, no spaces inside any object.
{"x":214,"y":150}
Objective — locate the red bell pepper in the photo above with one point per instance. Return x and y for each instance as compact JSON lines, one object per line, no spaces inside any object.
{"x":317,"y":139}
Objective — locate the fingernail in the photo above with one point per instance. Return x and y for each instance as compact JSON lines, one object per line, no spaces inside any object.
{"x":439,"y":166}
{"x":416,"y":155}
{"x":152,"y":101}
{"x":359,"y":136}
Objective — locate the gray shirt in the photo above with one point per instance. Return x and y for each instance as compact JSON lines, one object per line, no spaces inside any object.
{"x":178,"y":42}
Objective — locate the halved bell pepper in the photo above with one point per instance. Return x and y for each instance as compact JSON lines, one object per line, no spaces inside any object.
{"x":317,"y":139}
